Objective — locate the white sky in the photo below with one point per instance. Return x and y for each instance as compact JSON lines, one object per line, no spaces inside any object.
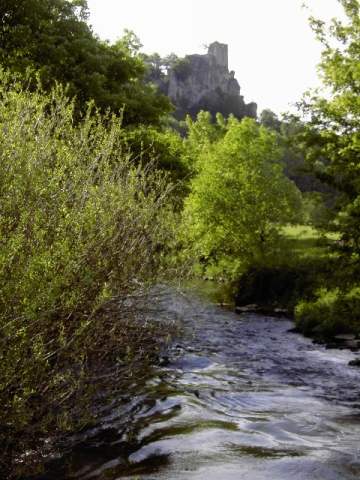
{"x":271,"y":47}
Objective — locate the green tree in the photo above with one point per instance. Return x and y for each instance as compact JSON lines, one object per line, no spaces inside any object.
{"x":333,"y":134}
{"x":200,"y":134}
{"x":332,"y":141}
{"x":162,"y":148}
{"x":238,"y":199}
{"x":52,"y":37}
{"x":270,"y":120}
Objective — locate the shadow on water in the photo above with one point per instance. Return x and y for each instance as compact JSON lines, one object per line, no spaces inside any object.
{"x":236,"y":397}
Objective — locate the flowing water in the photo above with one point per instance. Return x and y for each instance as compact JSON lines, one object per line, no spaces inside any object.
{"x":237,"y":397}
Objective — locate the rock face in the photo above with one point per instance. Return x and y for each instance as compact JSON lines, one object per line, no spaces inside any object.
{"x":203,"y":82}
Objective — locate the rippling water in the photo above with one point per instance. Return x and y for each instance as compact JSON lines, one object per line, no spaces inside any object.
{"x":238,"y":397}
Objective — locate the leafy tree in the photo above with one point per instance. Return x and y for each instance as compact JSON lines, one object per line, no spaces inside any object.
{"x":270,"y":120}
{"x":289,"y":129}
{"x":200,"y":134}
{"x":333,"y":134}
{"x":332,"y":140}
{"x":161,"y":148}
{"x":52,"y":37}
{"x":155,"y":67}
{"x":169,"y":61}
{"x":239,"y":198}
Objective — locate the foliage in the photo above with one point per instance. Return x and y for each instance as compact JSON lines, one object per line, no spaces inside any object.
{"x":315,"y":211}
{"x":200,"y":134}
{"x":290,"y":130}
{"x":306,"y":243}
{"x":333,"y":135}
{"x":333,"y":311}
{"x":160,"y":65}
{"x":332,"y":142}
{"x":274,"y":286}
{"x":182,"y":68}
{"x":238,"y":198}
{"x":161,"y":147}
{"x":159,"y":68}
{"x":79,"y":223}
{"x":270,"y":120}
{"x":302,"y":262}
{"x":52,"y":37}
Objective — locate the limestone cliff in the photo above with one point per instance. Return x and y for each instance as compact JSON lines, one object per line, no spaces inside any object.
{"x":204,"y":82}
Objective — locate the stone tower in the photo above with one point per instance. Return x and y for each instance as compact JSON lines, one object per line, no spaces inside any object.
{"x":219,"y":51}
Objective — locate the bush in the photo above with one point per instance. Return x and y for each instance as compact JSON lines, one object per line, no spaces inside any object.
{"x":79,"y":223}
{"x":164,"y":148}
{"x":332,"y":312}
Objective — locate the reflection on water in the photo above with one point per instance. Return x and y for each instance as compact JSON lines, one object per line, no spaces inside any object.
{"x":237,"y":397}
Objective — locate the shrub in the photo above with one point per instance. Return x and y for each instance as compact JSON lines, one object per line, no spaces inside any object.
{"x":79,"y":223}
{"x":332,"y":312}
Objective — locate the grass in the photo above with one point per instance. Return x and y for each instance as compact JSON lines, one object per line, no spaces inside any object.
{"x":303,"y":243}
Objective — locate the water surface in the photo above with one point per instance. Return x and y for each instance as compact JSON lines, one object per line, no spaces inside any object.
{"x":237,"y":396}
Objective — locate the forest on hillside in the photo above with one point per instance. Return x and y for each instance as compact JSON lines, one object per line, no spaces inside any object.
{"x":104,"y":193}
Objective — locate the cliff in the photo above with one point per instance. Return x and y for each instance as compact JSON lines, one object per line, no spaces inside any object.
{"x":204,"y":82}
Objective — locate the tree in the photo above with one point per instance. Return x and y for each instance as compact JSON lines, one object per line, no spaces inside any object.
{"x":289,"y":129}
{"x":238,"y":199}
{"x":332,"y":137}
{"x":200,"y":134}
{"x":270,"y":120}
{"x":332,"y":140}
{"x":52,"y":37}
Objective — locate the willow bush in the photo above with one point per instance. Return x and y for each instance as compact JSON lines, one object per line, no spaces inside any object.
{"x":79,"y":223}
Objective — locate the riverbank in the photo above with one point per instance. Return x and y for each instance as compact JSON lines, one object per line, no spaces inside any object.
{"x":308,"y":281}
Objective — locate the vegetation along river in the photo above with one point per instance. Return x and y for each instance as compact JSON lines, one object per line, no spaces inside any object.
{"x":237,"y":396}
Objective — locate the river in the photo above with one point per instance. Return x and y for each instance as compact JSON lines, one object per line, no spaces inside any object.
{"x":236,"y":397}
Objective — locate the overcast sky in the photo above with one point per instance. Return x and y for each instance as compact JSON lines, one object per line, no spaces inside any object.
{"x":271,"y":47}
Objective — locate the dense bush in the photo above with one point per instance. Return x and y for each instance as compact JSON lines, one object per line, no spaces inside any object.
{"x":163,"y":147}
{"x":332,"y":312}
{"x":78,"y":224}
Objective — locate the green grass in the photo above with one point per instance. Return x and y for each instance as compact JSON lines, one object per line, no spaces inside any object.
{"x":304,"y":243}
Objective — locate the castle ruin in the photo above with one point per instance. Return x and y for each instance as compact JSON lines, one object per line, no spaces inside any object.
{"x":204,"y":82}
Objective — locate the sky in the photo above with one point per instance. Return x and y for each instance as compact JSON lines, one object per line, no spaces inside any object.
{"x":272,"y":49}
